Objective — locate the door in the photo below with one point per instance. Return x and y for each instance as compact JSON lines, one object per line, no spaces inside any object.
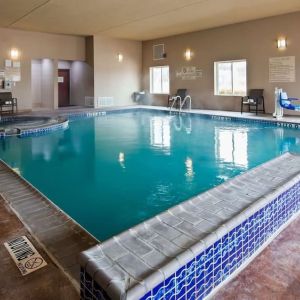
{"x":63,"y":87}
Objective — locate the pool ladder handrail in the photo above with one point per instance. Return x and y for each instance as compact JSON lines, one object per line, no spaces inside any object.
{"x":187,"y":98}
{"x":174,"y":100}
{"x":181,"y":103}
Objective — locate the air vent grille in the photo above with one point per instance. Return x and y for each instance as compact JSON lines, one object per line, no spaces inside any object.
{"x":158,"y":51}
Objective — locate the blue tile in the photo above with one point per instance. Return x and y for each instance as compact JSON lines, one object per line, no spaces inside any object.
{"x":170,"y":283}
{"x":200,"y":287}
{"x":209,"y":266}
{"x":158,"y":292}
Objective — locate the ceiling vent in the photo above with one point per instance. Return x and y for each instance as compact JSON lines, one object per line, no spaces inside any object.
{"x":159,"y":52}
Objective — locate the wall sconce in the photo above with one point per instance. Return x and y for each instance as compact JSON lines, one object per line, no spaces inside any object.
{"x":281,"y":43}
{"x":14,"y":54}
{"x":120,"y":57}
{"x":188,"y":54}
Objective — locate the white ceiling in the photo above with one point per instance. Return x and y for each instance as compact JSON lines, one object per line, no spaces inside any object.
{"x":135,"y":19}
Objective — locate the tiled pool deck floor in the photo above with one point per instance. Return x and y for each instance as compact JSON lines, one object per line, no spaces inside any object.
{"x":48,"y":283}
{"x":280,"y":258}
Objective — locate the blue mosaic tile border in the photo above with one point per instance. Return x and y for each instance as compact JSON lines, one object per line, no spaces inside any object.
{"x":285,"y":124}
{"x":43,"y":130}
{"x":2,"y":134}
{"x":208,"y":269}
{"x":90,"y":290}
{"x":248,"y":120}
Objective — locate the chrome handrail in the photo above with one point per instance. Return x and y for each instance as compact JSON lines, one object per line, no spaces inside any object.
{"x":175,"y":99}
{"x":188,"y":97}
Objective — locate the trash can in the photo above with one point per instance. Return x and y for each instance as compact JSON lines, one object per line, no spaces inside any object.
{"x":139,"y":97}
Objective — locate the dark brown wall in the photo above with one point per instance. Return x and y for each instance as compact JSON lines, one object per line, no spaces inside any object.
{"x":254,"y":41}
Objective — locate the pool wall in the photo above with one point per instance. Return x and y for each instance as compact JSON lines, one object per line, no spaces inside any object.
{"x":201,"y":266}
{"x":200,"y":114}
{"x":60,"y":123}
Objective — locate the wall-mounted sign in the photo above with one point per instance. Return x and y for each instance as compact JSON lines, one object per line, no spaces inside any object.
{"x":8,"y":63}
{"x":16,"y":64}
{"x":60,"y":79}
{"x":282,"y":69}
{"x":12,"y":70}
{"x":189,"y":73}
{"x":13,"y":74}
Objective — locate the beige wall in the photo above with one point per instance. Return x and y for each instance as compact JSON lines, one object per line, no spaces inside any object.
{"x":112,"y":78}
{"x":254,"y":41}
{"x":35,"y":45}
{"x":82,"y":82}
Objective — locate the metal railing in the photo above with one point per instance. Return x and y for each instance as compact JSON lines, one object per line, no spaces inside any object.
{"x":177,"y":99}
{"x":187,"y":98}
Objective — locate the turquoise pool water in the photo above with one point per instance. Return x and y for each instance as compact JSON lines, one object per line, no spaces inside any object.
{"x":112,"y":172}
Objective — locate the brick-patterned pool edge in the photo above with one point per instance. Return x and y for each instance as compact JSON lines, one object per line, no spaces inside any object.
{"x":214,"y":263}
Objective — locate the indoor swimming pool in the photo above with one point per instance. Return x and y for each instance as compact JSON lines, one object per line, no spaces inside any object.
{"x":114,"y":171}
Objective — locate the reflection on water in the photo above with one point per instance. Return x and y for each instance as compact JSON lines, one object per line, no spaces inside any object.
{"x":232,"y":146}
{"x":122,"y":159}
{"x":189,"y":169}
{"x":182,"y":122}
{"x":160,"y":135}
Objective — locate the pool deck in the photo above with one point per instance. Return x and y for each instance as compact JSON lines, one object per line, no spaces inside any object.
{"x":47,"y":283}
{"x":63,"y":239}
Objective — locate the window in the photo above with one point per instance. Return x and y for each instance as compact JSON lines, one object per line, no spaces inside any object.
{"x":159,"y":80}
{"x":231,"y":78}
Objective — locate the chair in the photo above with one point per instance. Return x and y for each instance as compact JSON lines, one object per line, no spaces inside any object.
{"x":254,"y":99}
{"x":7,"y":101}
{"x":180,"y":92}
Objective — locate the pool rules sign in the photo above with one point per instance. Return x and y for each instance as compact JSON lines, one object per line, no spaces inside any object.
{"x":282,"y":69}
{"x":24,"y":255}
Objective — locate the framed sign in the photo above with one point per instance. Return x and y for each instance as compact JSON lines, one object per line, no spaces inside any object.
{"x":282,"y":69}
{"x":189,"y":73}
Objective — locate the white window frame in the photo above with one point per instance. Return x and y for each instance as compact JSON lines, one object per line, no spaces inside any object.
{"x":151,"y":80}
{"x":216,"y":73}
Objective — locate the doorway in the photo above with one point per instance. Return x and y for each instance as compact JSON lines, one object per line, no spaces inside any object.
{"x":63,"y":87}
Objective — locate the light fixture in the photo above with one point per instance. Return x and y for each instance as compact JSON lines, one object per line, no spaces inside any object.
{"x":281,"y":43}
{"x":188,"y":54}
{"x":14,"y":54}
{"x":120,"y":57}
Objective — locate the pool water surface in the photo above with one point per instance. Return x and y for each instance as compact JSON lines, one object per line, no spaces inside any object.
{"x":112,"y":172}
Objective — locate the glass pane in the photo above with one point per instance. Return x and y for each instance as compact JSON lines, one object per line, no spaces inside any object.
{"x":165,"y":80}
{"x":156,"y":80}
{"x":224,"y":78}
{"x":239,"y":69}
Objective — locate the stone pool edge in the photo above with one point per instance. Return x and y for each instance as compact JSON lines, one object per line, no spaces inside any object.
{"x":97,"y":279}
